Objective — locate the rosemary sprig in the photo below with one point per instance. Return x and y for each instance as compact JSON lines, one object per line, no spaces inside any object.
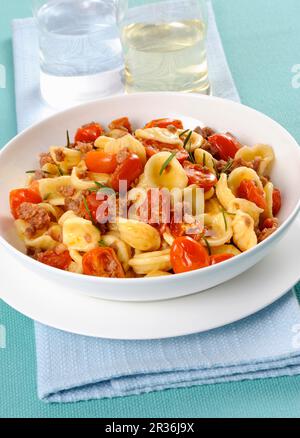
{"x":88,"y":210}
{"x":167,"y":162}
{"x":102,"y":243}
{"x":47,"y":196}
{"x":204,"y":160}
{"x":183,"y":133}
{"x":68,"y":139}
{"x":216,"y":169}
{"x":60,"y":170}
{"x":185,"y":144}
{"x":43,"y":171}
{"x":208,"y":245}
{"x":187,"y":140}
{"x":228,"y":166}
{"x":225,"y":220}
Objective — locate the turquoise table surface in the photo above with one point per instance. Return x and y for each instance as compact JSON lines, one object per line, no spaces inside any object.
{"x":261,"y":40}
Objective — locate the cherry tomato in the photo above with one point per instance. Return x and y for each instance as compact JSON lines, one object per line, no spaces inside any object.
{"x":269,"y":223}
{"x":226,"y":145}
{"x":164,"y":123}
{"x":123,"y":122}
{"x":200,"y":176}
{"x":59,"y":261}
{"x":179,"y":229}
{"x":19,"y":196}
{"x":102,"y":262}
{"x":93,"y":205}
{"x":89,"y":133}
{"x":188,"y":255}
{"x":249,"y":190}
{"x":277,"y":201}
{"x":101,"y":162}
{"x":219,"y":258}
{"x":129,"y":170}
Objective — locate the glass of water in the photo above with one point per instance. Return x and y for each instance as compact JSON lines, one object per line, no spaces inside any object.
{"x":164,"y":43}
{"x":80,"y":50}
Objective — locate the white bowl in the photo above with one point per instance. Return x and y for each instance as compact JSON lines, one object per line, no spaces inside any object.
{"x":248,"y":125}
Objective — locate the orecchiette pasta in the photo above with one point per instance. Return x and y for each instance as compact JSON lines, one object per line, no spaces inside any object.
{"x":262,"y":152}
{"x":244,"y":235}
{"x":50,"y":189}
{"x":151,"y":261}
{"x":269,"y":190}
{"x":241,"y":174}
{"x":219,"y":229}
{"x":139,"y":235}
{"x":169,"y":204}
{"x":171,"y":177}
{"x":80,"y":234}
{"x":161,"y":135}
{"x":205,"y":159}
{"x":65,"y":158}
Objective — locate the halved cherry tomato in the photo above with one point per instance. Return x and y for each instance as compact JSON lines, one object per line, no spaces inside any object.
{"x":219,"y":258}
{"x":249,"y":190}
{"x":200,"y":176}
{"x":93,"y":205}
{"x":19,"y":196}
{"x":102,"y":262}
{"x":164,"y":123}
{"x":179,"y":229}
{"x":89,"y":133}
{"x":123,"y":122}
{"x":277,"y":201}
{"x":269,"y":223}
{"x":59,"y":261}
{"x":129,"y":170}
{"x":188,"y":255}
{"x":101,"y":162}
{"x":226,"y":145}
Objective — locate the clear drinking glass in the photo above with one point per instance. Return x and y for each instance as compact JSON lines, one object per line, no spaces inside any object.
{"x":80,"y":50}
{"x":164,"y":44}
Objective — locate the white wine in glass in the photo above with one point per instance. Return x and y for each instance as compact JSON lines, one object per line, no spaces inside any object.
{"x":164,"y":45}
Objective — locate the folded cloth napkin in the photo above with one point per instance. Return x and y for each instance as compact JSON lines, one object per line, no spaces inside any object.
{"x":73,"y":368}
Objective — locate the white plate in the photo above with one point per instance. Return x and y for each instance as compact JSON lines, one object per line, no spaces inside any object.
{"x":250,"y":127}
{"x":59,"y":307}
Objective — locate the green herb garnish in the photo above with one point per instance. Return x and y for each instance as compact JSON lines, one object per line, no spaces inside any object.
{"x":60,"y":170}
{"x":68,"y":140}
{"x":88,"y":210}
{"x":183,"y":133}
{"x":187,"y":140}
{"x":47,"y":196}
{"x":185,"y":144}
{"x":208,"y":245}
{"x":225,"y":220}
{"x":167,"y":162}
{"x":204,"y":160}
{"x":216,"y":170}
{"x":228,"y":166}
{"x":43,"y":171}
{"x":102,"y":243}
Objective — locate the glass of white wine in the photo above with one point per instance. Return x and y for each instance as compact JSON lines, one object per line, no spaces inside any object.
{"x":164,"y":44}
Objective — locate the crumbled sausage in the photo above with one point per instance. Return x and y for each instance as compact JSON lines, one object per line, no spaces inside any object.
{"x":268,"y":231}
{"x":37,"y":217}
{"x":73,"y":205}
{"x":45,"y":159}
{"x":207,"y":132}
{"x":84,"y":148}
{"x":122,"y":155}
{"x":60,"y":155}
{"x":67,"y":191}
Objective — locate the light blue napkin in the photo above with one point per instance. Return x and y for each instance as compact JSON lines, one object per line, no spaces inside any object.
{"x":73,"y":368}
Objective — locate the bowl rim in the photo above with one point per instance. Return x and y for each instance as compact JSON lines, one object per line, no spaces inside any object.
{"x":139,"y":281}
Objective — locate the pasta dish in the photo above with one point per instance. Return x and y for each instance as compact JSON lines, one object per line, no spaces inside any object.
{"x":154,"y":201}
